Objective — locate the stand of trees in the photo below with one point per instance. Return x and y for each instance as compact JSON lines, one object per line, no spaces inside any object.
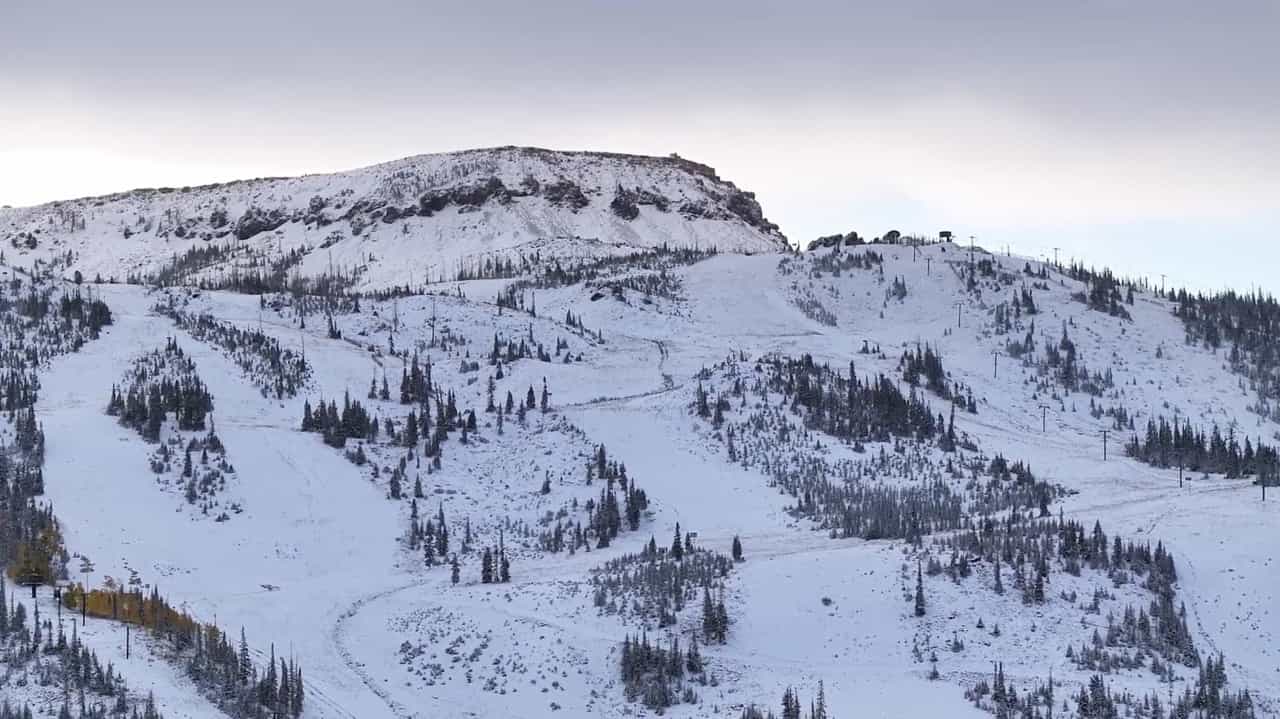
{"x":606,"y":517}
{"x":224,"y":671}
{"x":1249,"y":324}
{"x":927,"y":364}
{"x":1167,"y":445}
{"x":91,"y":688}
{"x":656,"y":676}
{"x":37,"y":328}
{"x":1103,"y":290}
{"x":1205,"y":698}
{"x":160,"y":382}
{"x":273,"y":368}
{"x":801,"y":406}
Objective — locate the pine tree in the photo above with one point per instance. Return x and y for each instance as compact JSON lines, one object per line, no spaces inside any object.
{"x":677,"y":545}
{"x":454,"y":570}
{"x":246,"y":663}
{"x":709,"y":619}
{"x":919,"y":590}
{"x":737,"y":549}
{"x":790,"y":704}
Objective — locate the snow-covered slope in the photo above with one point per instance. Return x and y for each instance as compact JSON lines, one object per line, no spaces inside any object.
{"x":415,"y":220}
{"x":586,"y":390}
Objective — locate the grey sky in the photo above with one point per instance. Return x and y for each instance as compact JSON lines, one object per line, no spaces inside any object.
{"x":1129,"y":132}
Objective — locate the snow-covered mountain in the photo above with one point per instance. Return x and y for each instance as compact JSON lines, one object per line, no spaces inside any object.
{"x":894,"y":480}
{"x":415,"y":220}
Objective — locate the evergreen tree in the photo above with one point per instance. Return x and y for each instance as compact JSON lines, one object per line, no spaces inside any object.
{"x":919,"y":591}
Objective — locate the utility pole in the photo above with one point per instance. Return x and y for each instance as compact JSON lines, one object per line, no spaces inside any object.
{"x":1055,"y":259}
{"x":928,"y":266}
{"x":995,"y":359}
{"x":1104,"y":445}
{"x":1044,"y":418}
{"x":959,"y":305}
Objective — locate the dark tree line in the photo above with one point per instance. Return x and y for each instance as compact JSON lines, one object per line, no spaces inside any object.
{"x":1166,"y":445}
{"x":256,"y":273}
{"x":556,"y":272}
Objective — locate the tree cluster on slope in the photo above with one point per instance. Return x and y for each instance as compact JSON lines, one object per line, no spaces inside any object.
{"x":1059,"y":365}
{"x":606,"y":516}
{"x":656,"y":676}
{"x":1205,"y":698}
{"x":337,"y":426}
{"x":792,"y":707}
{"x":1247,"y":323}
{"x":1102,"y":291}
{"x":540,"y":273}
{"x":36,"y":328}
{"x":201,"y":479}
{"x":777,"y":417}
{"x":1167,"y":445}
{"x":926,"y":363}
{"x":157,"y":383}
{"x":654,"y":585}
{"x":274,"y":369}
{"x":32,"y":649}
{"x":223,"y":670}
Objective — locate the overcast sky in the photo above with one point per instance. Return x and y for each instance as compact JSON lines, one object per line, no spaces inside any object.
{"x":1142,"y":135}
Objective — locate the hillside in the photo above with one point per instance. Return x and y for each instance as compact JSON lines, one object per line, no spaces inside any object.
{"x":421,"y":219}
{"x":674,"y":482}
